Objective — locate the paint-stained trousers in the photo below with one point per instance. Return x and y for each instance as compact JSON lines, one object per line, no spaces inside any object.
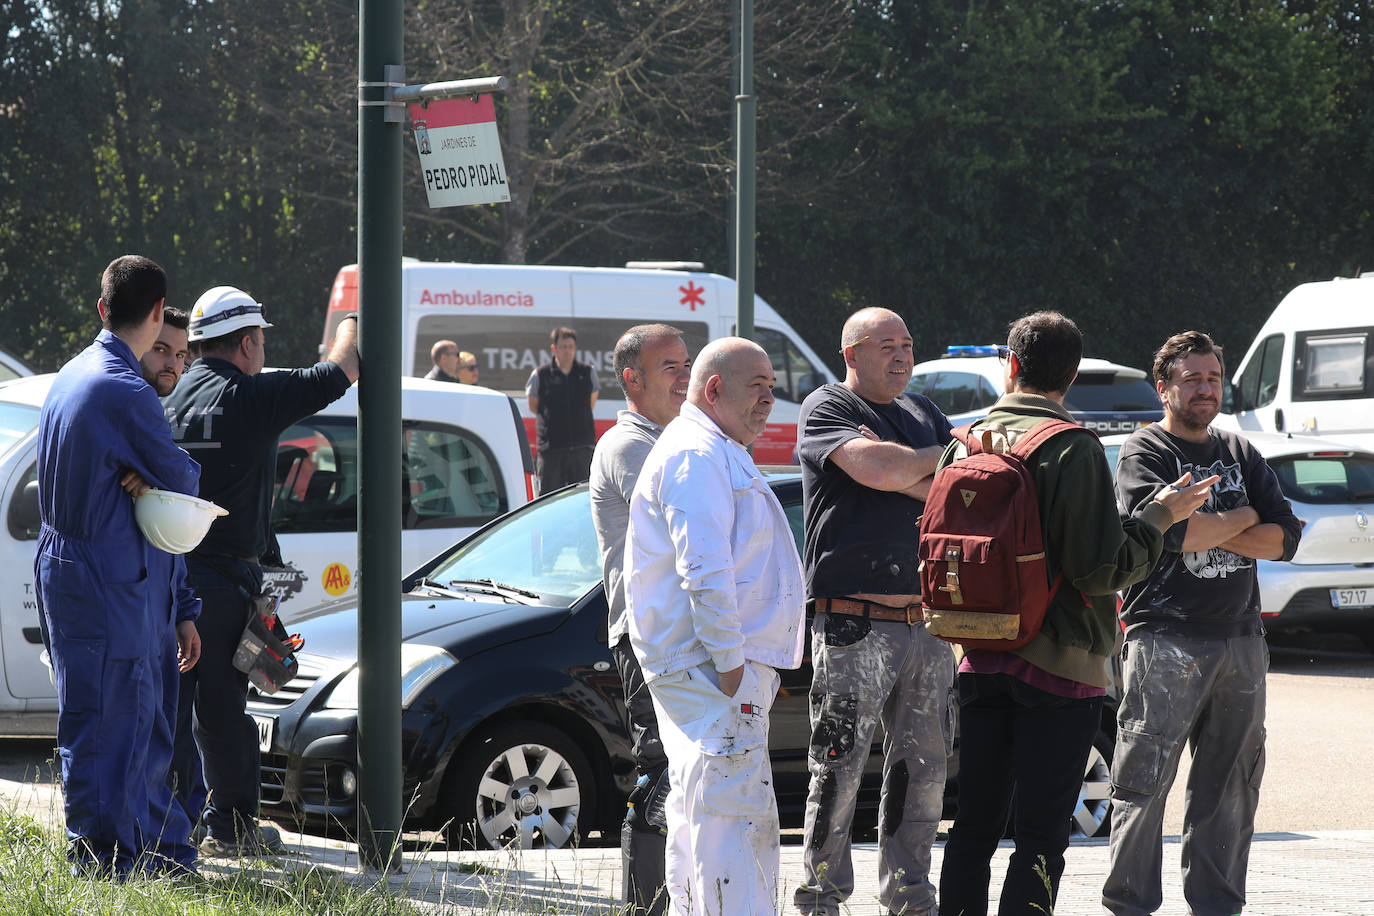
{"x":722,"y":813}
{"x":866,"y":672}
{"x":1209,"y":693}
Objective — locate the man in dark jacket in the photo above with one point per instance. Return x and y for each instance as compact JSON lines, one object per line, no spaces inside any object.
{"x":1027,"y":717}
{"x":1196,"y":658}
{"x":228,"y":413}
{"x":561,"y":394}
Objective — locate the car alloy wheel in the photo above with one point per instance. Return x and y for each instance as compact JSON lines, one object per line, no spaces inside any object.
{"x":524,"y":785}
{"x":1092,"y":817}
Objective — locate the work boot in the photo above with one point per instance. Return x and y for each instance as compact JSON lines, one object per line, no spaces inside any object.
{"x":262,"y":841}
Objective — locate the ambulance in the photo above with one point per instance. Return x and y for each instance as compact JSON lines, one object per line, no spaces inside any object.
{"x":503,"y":314}
{"x":1310,"y":370}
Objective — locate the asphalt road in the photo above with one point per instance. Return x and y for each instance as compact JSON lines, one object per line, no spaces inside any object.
{"x":1321,"y":739}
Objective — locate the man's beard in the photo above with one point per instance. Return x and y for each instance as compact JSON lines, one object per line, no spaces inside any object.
{"x":1188,"y":417}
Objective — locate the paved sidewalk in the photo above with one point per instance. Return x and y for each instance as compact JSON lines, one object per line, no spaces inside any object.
{"x":1322,"y":873}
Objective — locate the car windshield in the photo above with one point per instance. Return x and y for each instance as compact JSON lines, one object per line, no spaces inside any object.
{"x":1105,"y":391}
{"x":1340,"y":477}
{"x":16,"y":422}
{"x":548,"y":548}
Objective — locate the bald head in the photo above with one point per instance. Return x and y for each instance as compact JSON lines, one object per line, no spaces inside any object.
{"x":732,"y":383}
{"x":861,"y":323}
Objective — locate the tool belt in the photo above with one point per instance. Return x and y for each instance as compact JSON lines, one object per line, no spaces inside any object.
{"x":911,"y":615}
{"x":266,"y":652}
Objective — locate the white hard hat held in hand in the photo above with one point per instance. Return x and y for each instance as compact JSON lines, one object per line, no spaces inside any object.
{"x":174,"y":522}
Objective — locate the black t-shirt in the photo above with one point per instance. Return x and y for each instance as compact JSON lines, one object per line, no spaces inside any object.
{"x":859,"y":539}
{"x":229,"y":422}
{"x":1211,"y":593}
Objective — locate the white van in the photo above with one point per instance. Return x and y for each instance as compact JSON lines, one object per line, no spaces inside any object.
{"x":504,"y":313}
{"x":1310,"y":369}
{"x":464,"y":461}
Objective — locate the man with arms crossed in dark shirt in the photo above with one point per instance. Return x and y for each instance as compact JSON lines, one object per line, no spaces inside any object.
{"x":1196,"y":658}
{"x":868,"y":451}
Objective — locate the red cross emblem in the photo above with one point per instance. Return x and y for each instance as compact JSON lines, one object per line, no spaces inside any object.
{"x":691,"y":295}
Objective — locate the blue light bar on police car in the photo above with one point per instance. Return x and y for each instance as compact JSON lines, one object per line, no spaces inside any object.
{"x":971,"y":350}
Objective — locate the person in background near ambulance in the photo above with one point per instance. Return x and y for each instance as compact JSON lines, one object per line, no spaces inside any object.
{"x":653,"y":368}
{"x":467,"y":368}
{"x":104,"y":617}
{"x":445,"y":356}
{"x":229,"y":413}
{"x":867,"y":452}
{"x":713,"y":590}
{"x":1027,"y":717}
{"x":1195,"y":659}
{"x":561,"y":394}
{"x":179,"y":649}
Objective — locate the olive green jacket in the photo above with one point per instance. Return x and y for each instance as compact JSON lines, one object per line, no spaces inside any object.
{"x":1098,"y":551}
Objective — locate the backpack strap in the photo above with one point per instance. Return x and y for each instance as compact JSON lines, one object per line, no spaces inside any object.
{"x":965,"y":435}
{"x":979,"y":439}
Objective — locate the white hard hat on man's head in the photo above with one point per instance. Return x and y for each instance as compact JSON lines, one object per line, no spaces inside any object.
{"x":223,"y":309}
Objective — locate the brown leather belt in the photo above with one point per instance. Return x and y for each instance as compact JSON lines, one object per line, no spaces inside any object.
{"x":911,"y":615}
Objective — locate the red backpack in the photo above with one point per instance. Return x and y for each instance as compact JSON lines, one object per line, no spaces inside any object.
{"x":984,"y":581}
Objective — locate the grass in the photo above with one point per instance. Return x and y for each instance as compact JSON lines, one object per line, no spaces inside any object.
{"x":316,"y":879}
{"x":35,"y":880}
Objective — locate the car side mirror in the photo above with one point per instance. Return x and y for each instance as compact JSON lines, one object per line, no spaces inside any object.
{"x":25,"y":518}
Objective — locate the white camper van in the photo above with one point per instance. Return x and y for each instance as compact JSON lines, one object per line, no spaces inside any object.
{"x":1311,"y":367}
{"x":503,"y":314}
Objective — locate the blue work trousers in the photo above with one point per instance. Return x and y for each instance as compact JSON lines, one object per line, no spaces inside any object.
{"x":110,"y":655}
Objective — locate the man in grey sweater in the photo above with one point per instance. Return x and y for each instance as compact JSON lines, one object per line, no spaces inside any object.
{"x":653,"y":367}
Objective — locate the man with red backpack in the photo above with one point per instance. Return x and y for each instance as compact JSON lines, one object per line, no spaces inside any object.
{"x":1027,"y":716}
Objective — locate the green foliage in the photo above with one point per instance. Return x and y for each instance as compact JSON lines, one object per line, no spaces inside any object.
{"x":1142,"y":165}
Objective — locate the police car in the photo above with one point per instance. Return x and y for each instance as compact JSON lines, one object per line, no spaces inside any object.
{"x":465,"y":460}
{"x":1106,"y":398}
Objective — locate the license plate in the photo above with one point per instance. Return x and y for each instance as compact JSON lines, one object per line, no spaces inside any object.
{"x":1352,"y":597}
{"x":266,"y":725}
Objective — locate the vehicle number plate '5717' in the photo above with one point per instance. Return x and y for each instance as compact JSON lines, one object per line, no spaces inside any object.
{"x":1352,"y":597}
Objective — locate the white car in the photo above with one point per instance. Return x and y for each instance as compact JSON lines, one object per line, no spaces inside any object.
{"x":1107,"y":397}
{"x":1329,"y":583}
{"x":11,"y":368}
{"x":465,"y":460}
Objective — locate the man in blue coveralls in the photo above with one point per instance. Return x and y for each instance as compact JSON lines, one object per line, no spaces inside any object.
{"x":103,"y":622}
{"x":229,"y":413}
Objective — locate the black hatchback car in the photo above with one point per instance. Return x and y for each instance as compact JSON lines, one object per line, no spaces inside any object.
{"x":512,"y":723}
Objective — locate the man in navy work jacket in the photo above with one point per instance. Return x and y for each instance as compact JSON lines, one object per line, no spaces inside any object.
{"x":100,"y":422}
{"x":228,"y":413}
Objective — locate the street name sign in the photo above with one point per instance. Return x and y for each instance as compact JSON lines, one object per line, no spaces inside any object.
{"x":460,"y":152}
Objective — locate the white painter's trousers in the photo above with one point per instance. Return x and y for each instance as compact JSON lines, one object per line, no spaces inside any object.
{"x":722,"y":857}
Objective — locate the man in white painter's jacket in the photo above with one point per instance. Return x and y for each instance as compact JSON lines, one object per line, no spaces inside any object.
{"x":716,"y":604}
